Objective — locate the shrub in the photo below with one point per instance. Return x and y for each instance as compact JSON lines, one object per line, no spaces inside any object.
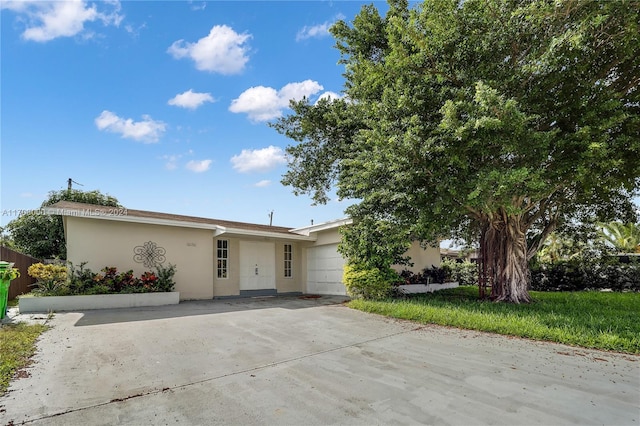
{"x":435,"y":274}
{"x":148,"y":280}
{"x":621,"y":277}
{"x":408,"y":277}
{"x":586,"y":274}
{"x":81,"y":280}
{"x":98,"y":289}
{"x":108,"y":279}
{"x":465,"y":273}
{"x":49,"y":278}
{"x":369,"y":283}
{"x":165,"y":280}
{"x":9,"y":274}
{"x":126,"y":282}
{"x":428,"y":275}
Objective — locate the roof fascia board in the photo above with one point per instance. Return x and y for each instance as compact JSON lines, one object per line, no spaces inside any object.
{"x":218,"y":230}
{"x":132,"y":219}
{"x":307,"y":230}
{"x":236,"y":231}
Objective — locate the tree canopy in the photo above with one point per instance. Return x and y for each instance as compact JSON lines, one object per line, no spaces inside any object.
{"x":498,"y":121}
{"x":41,"y":235}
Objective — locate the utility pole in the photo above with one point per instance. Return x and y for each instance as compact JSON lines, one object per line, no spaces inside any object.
{"x":70,"y":182}
{"x":271,"y":218}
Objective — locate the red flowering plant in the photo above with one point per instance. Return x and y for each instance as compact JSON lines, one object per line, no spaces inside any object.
{"x":149,"y":280}
{"x":109,"y":279}
{"x":127,"y":283}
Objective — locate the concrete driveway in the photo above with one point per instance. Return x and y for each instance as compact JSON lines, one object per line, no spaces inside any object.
{"x":308,"y":362}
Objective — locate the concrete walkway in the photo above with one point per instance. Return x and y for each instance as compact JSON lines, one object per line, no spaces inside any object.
{"x":308,"y":362}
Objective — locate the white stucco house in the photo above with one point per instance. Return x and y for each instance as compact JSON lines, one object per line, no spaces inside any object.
{"x":214,"y":258}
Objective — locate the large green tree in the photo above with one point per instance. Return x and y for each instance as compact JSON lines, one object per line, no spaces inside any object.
{"x":42,"y":235}
{"x":495,"y":120}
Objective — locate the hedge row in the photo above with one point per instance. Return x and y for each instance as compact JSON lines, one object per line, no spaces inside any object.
{"x":586,"y":275}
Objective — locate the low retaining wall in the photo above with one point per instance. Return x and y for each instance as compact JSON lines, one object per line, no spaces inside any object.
{"x":426,"y":288}
{"x":28,"y":305}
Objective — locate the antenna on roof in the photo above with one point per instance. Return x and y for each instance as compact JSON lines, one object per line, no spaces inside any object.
{"x":271,"y":218}
{"x":70,"y":182}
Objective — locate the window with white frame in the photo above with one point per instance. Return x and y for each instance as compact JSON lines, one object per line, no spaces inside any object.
{"x":223,"y":258}
{"x":288,"y":257}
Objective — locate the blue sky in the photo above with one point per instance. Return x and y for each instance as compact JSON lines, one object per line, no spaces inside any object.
{"x":161,"y":104}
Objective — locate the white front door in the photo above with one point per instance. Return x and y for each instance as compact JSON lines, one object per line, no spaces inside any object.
{"x":257,"y":265}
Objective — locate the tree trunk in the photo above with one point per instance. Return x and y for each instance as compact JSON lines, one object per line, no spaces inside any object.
{"x":504,"y":248}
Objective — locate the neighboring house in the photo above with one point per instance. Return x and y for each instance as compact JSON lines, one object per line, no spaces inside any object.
{"x":214,"y":258}
{"x":459,"y":255}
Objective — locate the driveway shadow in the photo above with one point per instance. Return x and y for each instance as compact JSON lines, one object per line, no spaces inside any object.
{"x":204,"y":307}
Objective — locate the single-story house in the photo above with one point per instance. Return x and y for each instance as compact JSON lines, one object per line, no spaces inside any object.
{"x":214,"y":258}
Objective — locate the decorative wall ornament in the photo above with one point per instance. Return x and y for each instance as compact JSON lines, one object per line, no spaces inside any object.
{"x":149,"y":254}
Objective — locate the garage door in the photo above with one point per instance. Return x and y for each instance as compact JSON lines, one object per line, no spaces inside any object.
{"x":324,"y":270}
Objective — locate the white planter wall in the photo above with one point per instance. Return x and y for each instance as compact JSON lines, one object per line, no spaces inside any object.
{"x":28,"y":305}
{"x":426,"y":288}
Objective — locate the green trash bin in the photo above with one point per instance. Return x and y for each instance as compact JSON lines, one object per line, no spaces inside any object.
{"x":5,"y":281}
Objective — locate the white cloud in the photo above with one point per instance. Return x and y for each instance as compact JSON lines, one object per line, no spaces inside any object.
{"x":47,"y":20}
{"x":258,"y":160}
{"x":201,"y":6}
{"x":171,"y":161}
{"x":317,"y":31}
{"x":15,"y":5}
{"x":263,"y":183}
{"x":147,"y":130}
{"x":261,"y":103}
{"x":190,"y":99}
{"x":135,"y":31}
{"x":198,"y":166}
{"x":299,"y":90}
{"x":223,"y":51}
{"x":329,"y":95}
{"x":265,"y":103}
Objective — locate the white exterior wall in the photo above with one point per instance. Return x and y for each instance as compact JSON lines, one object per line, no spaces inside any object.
{"x":294,"y":283}
{"x":421,"y":258}
{"x":103,"y":243}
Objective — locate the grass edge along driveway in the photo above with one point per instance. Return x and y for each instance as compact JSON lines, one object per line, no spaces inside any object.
{"x":590,"y":319}
{"x":17,"y":346}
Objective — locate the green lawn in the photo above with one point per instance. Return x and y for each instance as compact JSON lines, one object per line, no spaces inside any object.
{"x":608,"y":321}
{"x":17,"y":346}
